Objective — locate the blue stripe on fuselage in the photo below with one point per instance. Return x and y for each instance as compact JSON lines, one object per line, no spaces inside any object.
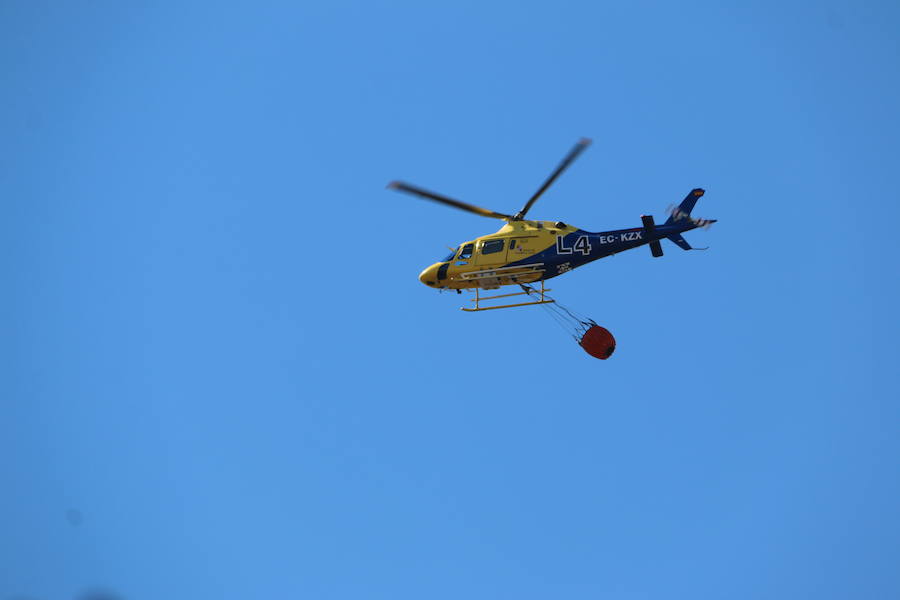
{"x":571,"y":251}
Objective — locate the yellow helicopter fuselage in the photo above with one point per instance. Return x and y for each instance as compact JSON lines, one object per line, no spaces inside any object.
{"x":497,"y":259}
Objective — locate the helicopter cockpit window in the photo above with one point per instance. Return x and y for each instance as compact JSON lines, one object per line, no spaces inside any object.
{"x":449,"y":258}
{"x":466,"y":252}
{"x":492,"y":247}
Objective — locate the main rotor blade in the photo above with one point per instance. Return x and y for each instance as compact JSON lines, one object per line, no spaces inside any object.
{"x":417,"y":191}
{"x":568,"y":160}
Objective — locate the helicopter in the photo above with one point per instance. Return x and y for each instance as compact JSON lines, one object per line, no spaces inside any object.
{"x":524,"y":251}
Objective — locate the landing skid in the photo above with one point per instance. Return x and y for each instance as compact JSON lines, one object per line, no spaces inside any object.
{"x":478,"y":299}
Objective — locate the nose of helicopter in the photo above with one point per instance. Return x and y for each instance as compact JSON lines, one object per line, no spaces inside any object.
{"x":429,"y":275}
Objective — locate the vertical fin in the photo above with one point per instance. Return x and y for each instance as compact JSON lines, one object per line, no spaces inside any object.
{"x":687,"y":205}
{"x":680,"y":241}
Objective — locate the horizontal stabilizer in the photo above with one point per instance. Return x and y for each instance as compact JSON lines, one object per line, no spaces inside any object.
{"x":649,"y":227}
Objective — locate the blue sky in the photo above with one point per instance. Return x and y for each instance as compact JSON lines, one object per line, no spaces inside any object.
{"x":216,"y":349}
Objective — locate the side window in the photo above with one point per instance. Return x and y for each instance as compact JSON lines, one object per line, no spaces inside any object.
{"x":466,"y":252}
{"x":512,"y":244}
{"x":492,"y":247}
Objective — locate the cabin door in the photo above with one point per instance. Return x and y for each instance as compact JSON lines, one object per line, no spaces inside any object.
{"x":491,"y":253}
